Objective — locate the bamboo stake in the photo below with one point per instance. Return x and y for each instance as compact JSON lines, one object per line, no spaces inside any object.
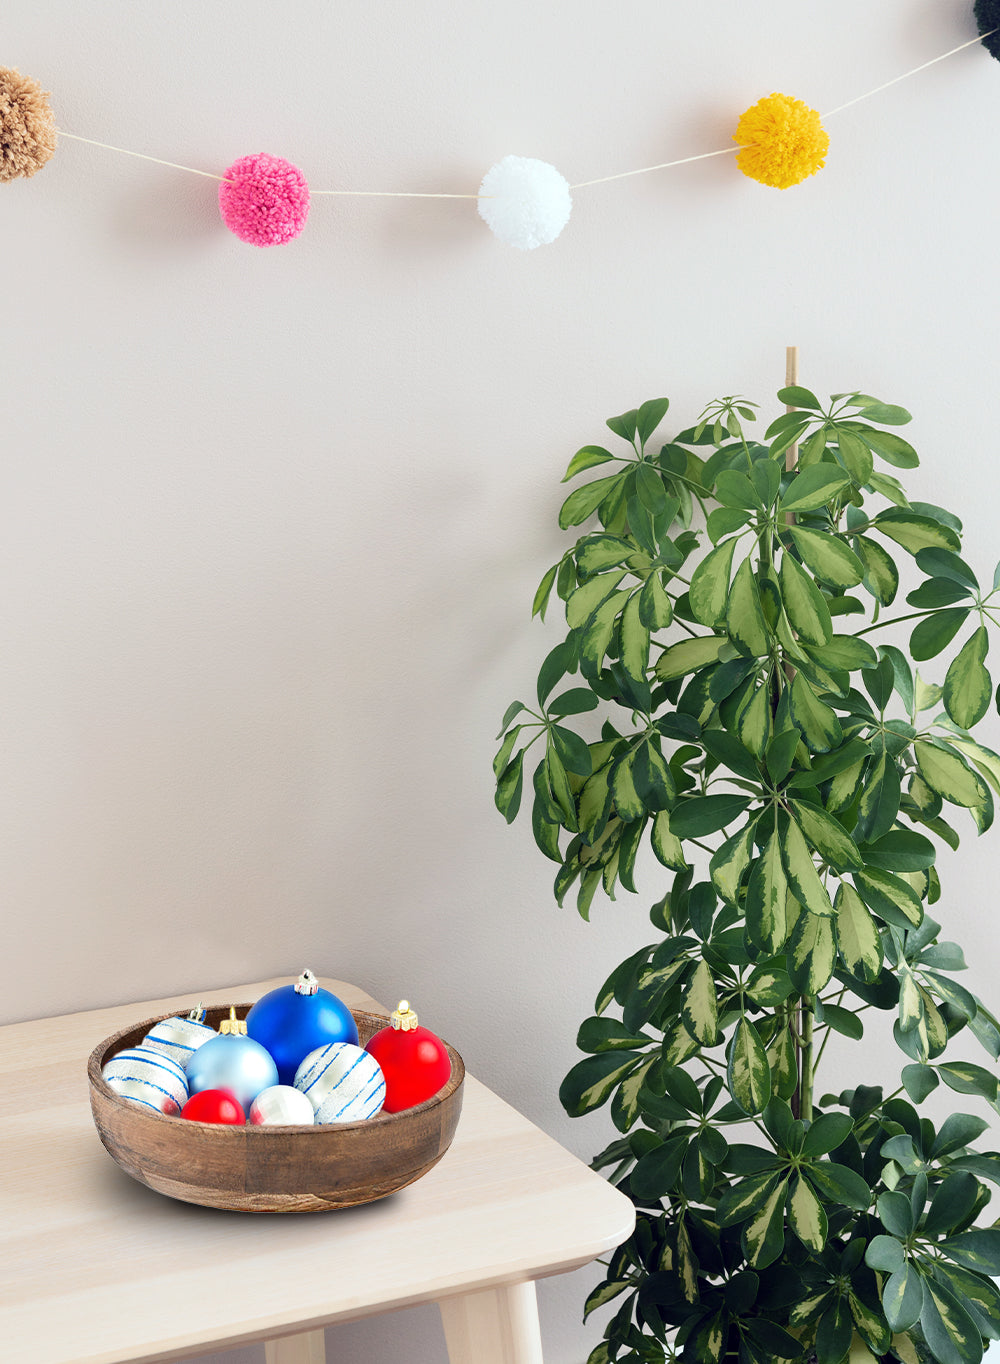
{"x":791,"y":377}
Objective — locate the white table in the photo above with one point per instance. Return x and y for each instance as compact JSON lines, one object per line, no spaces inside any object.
{"x":98,"y":1269}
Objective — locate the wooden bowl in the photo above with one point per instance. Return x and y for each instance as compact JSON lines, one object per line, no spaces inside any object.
{"x":272,"y":1169}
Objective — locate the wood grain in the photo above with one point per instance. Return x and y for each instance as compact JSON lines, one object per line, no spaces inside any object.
{"x":272,"y":1168}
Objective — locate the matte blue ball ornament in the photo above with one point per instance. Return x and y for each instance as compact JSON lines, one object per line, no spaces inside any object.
{"x":295,"y":1019}
{"x":234,"y":1062}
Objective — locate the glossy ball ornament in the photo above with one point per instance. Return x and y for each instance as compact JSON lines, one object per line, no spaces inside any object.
{"x":342,"y":1082}
{"x":294,"y":1020}
{"x":144,"y":1077}
{"x":234,"y":1062}
{"x":414,"y":1061}
{"x":179,"y":1038}
{"x":214,"y":1105}
{"x":281,"y":1106}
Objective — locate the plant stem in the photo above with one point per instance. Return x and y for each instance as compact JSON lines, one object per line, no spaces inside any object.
{"x":806,"y":1060}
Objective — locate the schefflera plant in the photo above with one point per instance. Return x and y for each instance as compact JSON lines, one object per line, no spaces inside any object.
{"x":794,"y":775}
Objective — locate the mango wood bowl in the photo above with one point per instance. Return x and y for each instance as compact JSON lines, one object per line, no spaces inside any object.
{"x":272,"y":1169}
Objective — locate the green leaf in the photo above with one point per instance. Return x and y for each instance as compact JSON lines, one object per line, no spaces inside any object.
{"x":841,"y":1185}
{"x":689,"y":656}
{"x":966,"y":1078}
{"x":699,"y":1007}
{"x":741,"y":1200}
{"x":943,"y":563}
{"x":666,"y":845}
{"x":803,"y":878}
{"x":806,"y":1215}
{"x":812,"y":953}
{"x":543,"y":592}
{"x":658,"y":1170}
{"x":881,"y":577}
{"x":627,"y":800}
{"x":828,"y":556}
{"x":696,"y":816}
{"x":586,"y":458}
{"x":733,"y":489}
{"x":748,"y":1072}
{"x":968,"y":685}
{"x":885,"y":1254}
{"x":888,"y":896}
{"x":902,"y":1298}
{"x":936,"y":592}
{"x":813,"y":488}
{"x":920,"y":1081}
{"x":946,"y":773}
{"x":763,"y":1236}
{"x":804,"y":604}
{"x":709,"y":590}
{"x":879,"y":803}
{"x":605,"y":1292}
{"x":649,"y":416}
{"x":744,"y":617}
{"x":954,"y":1200}
{"x":892,"y":448}
{"x":958,"y":1130}
{"x":634,"y":641}
{"x":855,"y":456}
{"x":509,"y":788}
{"x":649,"y":489}
{"x":729,"y":864}
{"x":845,"y":653}
{"x":814,"y":720}
{"x":583,"y":502}
{"x":656,"y":610}
{"x":754,"y":723}
{"x":730,"y":752}
{"x":915,"y":532}
{"x":830,"y":839}
{"x":764,"y":910}
{"x":591,"y":1081}
{"x":625,"y":425}
{"x":795,"y":396}
{"x":978,"y":1249}
{"x":585,"y":600}
{"x":574,"y":754}
{"x":596,"y":637}
{"x":573,"y":702}
{"x":724,"y":521}
{"x":948,"y":1329}
{"x":900,"y":850}
{"x":888,"y":414}
{"x":781,"y":754}
{"x":857,"y":935}
{"x":936,"y":632}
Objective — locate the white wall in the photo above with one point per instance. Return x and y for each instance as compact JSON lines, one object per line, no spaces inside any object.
{"x":272,"y":519}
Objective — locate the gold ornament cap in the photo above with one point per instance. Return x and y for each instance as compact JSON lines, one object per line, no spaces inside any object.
{"x":233,"y":1026}
{"x":402,"y":1018}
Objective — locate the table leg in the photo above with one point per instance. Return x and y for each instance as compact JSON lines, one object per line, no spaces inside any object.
{"x":494,"y":1326}
{"x":309,"y":1347}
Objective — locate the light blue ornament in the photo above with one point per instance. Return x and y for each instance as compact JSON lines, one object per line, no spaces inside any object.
{"x":295,"y":1019}
{"x":234,"y":1062}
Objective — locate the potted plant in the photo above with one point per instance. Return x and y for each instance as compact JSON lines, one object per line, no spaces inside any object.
{"x":728,"y":615}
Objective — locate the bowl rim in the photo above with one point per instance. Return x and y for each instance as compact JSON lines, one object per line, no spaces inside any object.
{"x":262,"y":1131}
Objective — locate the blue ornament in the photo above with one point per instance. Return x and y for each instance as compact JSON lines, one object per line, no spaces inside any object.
{"x":234,"y":1062}
{"x":295,"y":1019}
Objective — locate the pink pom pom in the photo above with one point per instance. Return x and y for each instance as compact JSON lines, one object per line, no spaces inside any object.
{"x":264,"y":200}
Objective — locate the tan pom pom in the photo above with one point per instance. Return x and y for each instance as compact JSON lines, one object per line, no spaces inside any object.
{"x":27,"y":125}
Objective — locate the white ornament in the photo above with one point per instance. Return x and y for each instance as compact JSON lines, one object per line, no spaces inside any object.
{"x":342,"y":1082}
{"x":145,"y":1077}
{"x":179,"y":1038}
{"x":281,"y":1106}
{"x":528,"y":202}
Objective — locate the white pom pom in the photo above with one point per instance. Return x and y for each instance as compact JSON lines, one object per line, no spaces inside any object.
{"x":528,"y":202}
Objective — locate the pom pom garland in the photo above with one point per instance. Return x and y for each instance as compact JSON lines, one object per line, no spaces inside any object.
{"x":27,"y":126}
{"x":783,"y":141}
{"x":987,"y":14}
{"x":526,"y":202}
{"x":264,"y":200}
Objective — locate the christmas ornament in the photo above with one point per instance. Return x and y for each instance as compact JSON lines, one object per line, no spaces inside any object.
{"x":264,"y":200}
{"x":232,"y":1061}
{"x":27,"y":125}
{"x":414,"y":1061}
{"x":987,"y":13}
{"x":342,"y":1082}
{"x":524,"y":202}
{"x":281,"y":1106}
{"x":179,"y":1037}
{"x":295,"y":1019}
{"x":214,"y":1105}
{"x":783,"y":141}
{"x":144,"y":1077}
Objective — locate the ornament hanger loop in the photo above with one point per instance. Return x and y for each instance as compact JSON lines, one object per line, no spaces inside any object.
{"x":307,"y":984}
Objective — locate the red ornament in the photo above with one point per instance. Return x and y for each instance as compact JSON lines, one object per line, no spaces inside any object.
{"x":414,"y":1061}
{"x":214,"y":1105}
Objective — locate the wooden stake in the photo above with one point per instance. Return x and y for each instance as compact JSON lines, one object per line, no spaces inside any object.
{"x":791,"y":377}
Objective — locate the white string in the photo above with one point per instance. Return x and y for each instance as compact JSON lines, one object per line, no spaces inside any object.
{"x":142,"y":156}
{"x":664,"y":165}
{"x":583,"y":184}
{"x":896,"y":79}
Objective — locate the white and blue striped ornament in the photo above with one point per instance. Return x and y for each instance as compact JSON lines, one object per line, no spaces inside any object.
{"x":342,"y":1082}
{"x":179,"y":1038}
{"x":145,"y":1077}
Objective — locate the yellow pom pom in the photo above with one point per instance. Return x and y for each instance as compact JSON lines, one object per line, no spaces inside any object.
{"x":783,"y":141}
